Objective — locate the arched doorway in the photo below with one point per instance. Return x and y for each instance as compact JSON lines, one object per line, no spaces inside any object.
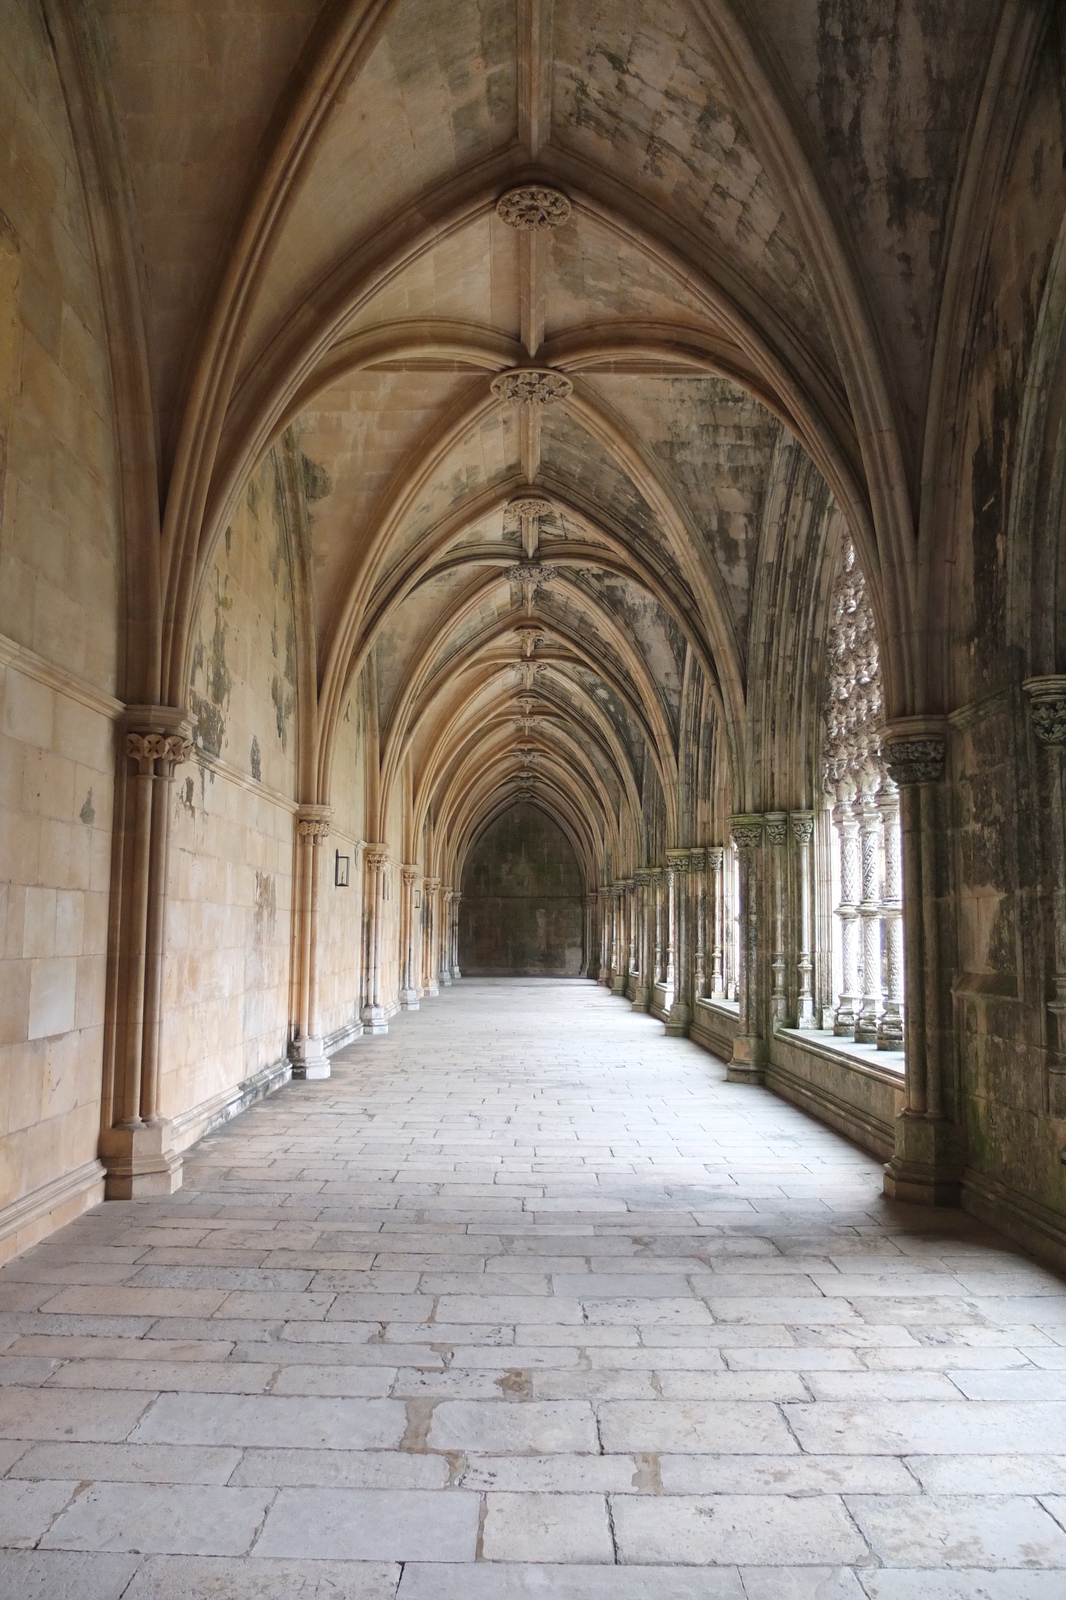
{"x":521,"y":912}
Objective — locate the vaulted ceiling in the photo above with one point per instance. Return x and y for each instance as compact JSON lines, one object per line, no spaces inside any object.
{"x":537,"y":287}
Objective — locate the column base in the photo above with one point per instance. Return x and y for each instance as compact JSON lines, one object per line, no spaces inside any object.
{"x":456,"y":974}
{"x":925,"y":1169}
{"x":309,"y":1060}
{"x":409,"y":999}
{"x":618,"y":983}
{"x":431,"y":990}
{"x":375,"y":1019}
{"x":746,"y":1065}
{"x":640,"y":997}
{"x":140,"y":1161}
{"x":678,"y":1021}
{"x":445,"y":980}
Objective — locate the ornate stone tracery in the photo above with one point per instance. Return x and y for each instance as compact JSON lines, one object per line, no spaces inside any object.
{"x":860,"y":779}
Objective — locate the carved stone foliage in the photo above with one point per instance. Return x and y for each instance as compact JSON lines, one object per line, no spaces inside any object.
{"x":536,"y":385}
{"x":1047,"y":708}
{"x":916,"y":760}
{"x":530,"y":505}
{"x":532,"y":207}
{"x":532,"y":574}
{"x":854,"y":704}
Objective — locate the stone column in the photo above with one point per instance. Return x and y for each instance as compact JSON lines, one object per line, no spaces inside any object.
{"x":777,"y":839}
{"x":593,"y":945}
{"x":618,"y":960}
{"x":802,"y":823}
{"x":309,"y":1060}
{"x":926,"y":1167}
{"x":890,"y":1025}
{"x":847,"y":833}
{"x":430,"y":923}
{"x":716,"y":863}
{"x":698,"y":870}
{"x":410,"y":943}
{"x":456,"y":898}
{"x":641,"y":879}
{"x":136,"y":1142}
{"x":679,"y":1016}
{"x":632,"y":939}
{"x":373,"y":1014}
{"x":447,"y":896}
{"x":746,"y":1065}
{"x":1047,"y":712}
{"x":656,"y":880}
{"x":869,"y":1015}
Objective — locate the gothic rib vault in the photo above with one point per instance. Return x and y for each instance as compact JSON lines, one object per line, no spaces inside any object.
{"x":425,"y":410}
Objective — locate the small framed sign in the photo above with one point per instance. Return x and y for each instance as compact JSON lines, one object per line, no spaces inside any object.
{"x":343,"y":867}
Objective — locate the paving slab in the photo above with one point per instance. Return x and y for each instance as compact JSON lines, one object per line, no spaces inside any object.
{"x":527,"y":1300}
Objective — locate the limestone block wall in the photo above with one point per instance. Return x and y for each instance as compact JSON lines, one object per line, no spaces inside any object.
{"x":60,"y":583}
{"x":56,"y":785}
{"x":229,"y":910}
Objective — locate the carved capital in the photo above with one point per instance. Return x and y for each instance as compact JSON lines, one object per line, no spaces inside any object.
{"x":431,"y":885}
{"x":677,"y":860}
{"x":642,"y":877}
{"x":777,"y":827}
{"x":312,"y":822}
{"x":914,"y":749}
{"x":533,"y":206}
{"x":802,"y":825}
{"x":534,"y":384}
{"x":376,"y":855}
{"x":745,"y":830}
{"x":698,"y":860}
{"x":158,"y":738}
{"x":410,"y":874}
{"x":1047,"y":707}
{"x":715,"y":857}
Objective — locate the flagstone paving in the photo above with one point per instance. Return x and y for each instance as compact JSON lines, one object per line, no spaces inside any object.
{"x":527,"y":1300}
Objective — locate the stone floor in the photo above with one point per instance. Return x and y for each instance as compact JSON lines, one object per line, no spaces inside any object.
{"x":527,"y":1300}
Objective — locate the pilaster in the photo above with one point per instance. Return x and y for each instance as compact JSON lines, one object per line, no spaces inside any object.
{"x":308,"y":1057}
{"x":746,"y":1066}
{"x":136,"y":1144}
{"x":679,"y":1015}
{"x":927,"y":1164}
{"x":374,"y":1016}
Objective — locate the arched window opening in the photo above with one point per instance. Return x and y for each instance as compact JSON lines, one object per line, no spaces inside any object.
{"x":862,"y":805}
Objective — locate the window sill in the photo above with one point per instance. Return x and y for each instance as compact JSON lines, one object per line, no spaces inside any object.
{"x":884,"y":1063}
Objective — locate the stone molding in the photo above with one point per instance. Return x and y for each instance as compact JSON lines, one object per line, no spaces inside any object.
{"x":534,"y":385}
{"x":532,"y":207}
{"x":1047,"y":708}
{"x":51,"y":676}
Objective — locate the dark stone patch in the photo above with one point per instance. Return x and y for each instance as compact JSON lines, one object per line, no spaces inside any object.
{"x":521,"y":913}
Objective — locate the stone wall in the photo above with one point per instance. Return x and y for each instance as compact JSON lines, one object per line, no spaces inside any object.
{"x":60,"y":586}
{"x":521,"y":909}
{"x":227,"y":975}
